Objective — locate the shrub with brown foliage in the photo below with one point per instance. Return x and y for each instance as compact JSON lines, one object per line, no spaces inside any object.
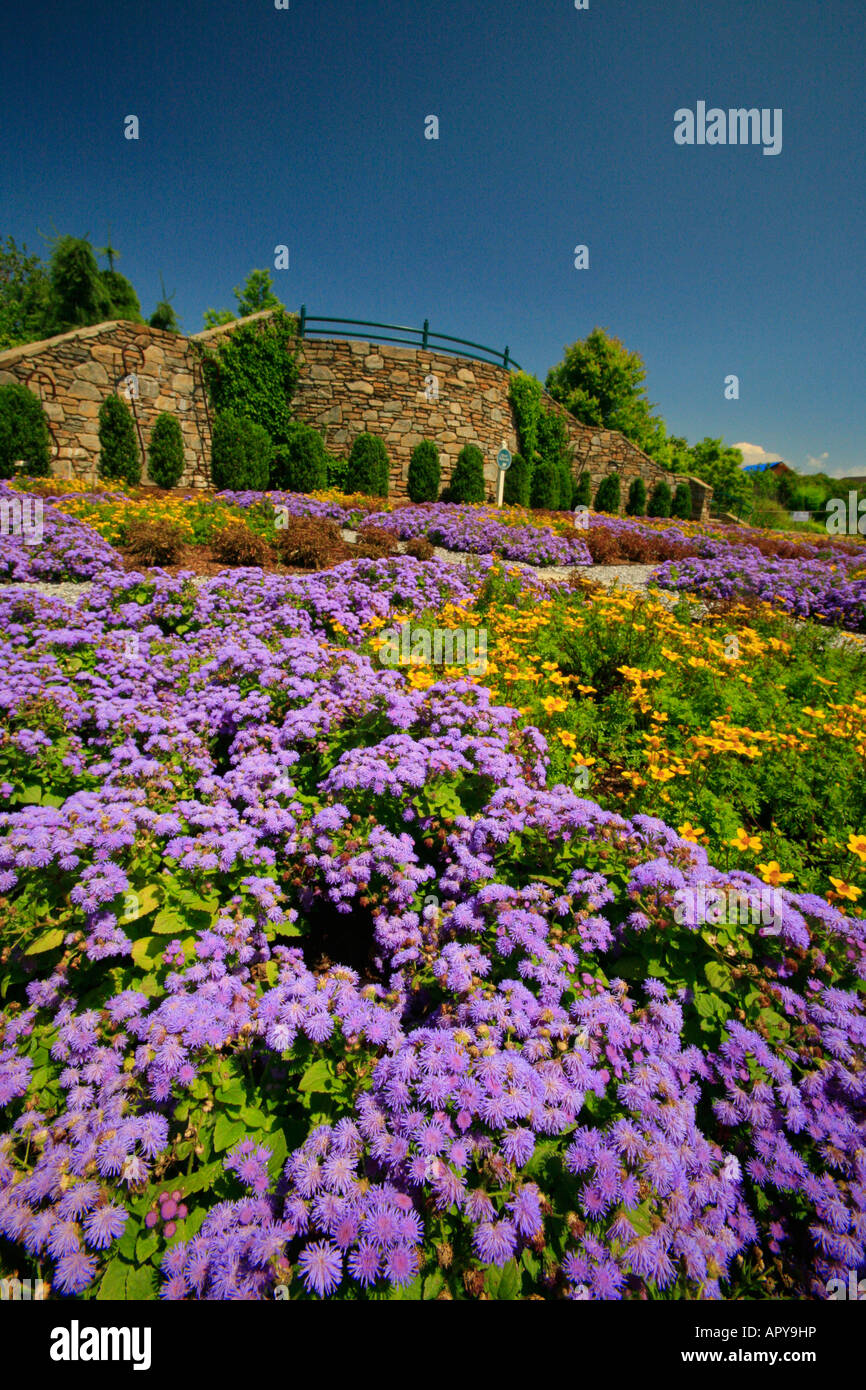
{"x":420,"y":548}
{"x":235,"y":544}
{"x":375,"y":543}
{"x":154,"y":542}
{"x":601,"y":544}
{"x":311,"y":542}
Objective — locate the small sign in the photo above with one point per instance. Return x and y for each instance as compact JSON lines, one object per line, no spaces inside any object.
{"x":503,"y":460}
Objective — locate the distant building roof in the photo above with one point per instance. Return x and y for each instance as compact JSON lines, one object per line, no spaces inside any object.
{"x":762,"y":467}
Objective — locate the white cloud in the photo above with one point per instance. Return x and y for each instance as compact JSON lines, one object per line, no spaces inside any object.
{"x":817,"y":465}
{"x":755,"y":453}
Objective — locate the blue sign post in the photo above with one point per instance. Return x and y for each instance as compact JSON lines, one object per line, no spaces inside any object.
{"x":503,"y":463}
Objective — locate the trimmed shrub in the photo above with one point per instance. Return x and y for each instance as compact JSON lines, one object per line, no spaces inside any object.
{"x":336,"y":469}
{"x":425,"y":472}
{"x":636,"y":504}
{"x":467,"y":480}
{"x":582,"y":491}
{"x":682,"y":504}
{"x":240,"y":455}
{"x":236,"y":544}
{"x":154,"y":542}
{"x":165,"y":455}
{"x":367,"y":469}
{"x":517,"y":483}
{"x":607,"y":495}
{"x":544,"y":486}
{"x":118,"y":446}
{"x":301,"y":464}
{"x":566,"y":484}
{"x":660,"y":500}
{"x":420,"y":548}
{"x":23,"y":432}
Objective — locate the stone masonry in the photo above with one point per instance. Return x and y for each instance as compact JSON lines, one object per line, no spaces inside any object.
{"x":402,"y":394}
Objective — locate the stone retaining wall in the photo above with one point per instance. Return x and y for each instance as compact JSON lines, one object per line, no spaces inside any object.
{"x":402,"y":394}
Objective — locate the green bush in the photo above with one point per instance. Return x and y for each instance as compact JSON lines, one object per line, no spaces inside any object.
{"x":544,"y":487}
{"x":368,"y":470}
{"x":467,"y":480}
{"x":301,"y":464}
{"x":660,"y":500}
{"x":607,"y":495}
{"x":336,"y":469}
{"x":682,"y":503}
{"x":566,"y":485}
{"x":425,"y":472}
{"x":119,"y":456}
{"x":636,"y":504}
{"x":516,"y":489}
{"x":582,"y":491}
{"x":23,"y":432}
{"x":165,"y":455}
{"x":240,"y":454}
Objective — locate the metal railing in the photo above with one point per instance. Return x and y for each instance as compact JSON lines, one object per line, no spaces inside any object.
{"x":423,"y":338}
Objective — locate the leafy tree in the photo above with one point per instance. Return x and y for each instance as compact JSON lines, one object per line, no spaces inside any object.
{"x":79,"y":293}
{"x":257,"y":294}
{"x":119,"y":457}
{"x":123,"y":301}
{"x":25,"y":296}
{"x":721,"y":467}
{"x":602,"y":384}
{"x":164,"y":317}
{"x":23,"y":432}
{"x":253,"y":297}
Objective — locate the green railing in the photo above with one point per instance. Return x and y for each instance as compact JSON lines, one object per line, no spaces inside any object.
{"x":423,"y":338}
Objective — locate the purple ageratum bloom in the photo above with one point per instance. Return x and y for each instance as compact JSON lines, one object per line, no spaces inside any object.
{"x":321,"y":1267}
{"x":494,"y":1241}
{"x":105,"y":1225}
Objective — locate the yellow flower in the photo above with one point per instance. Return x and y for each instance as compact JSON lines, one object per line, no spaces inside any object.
{"x":743,"y":840}
{"x":857,"y":845}
{"x":771,"y":873}
{"x":551,"y":704}
{"x":587,"y":689}
{"x":567,"y":737}
{"x":846,"y":890}
{"x":690,"y":832}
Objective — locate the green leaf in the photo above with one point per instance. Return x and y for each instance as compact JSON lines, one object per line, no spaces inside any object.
{"x":147,"y":899}
{"x":141,"y":1284}
{"x":227,"y":1132}
{"x":146,"y":952}
{"x":718,"y":974}
{"x":509,"y":1283}
{"x":113,"y":1284}
{"x":48,"y":941}
{"x":433,"y":1284}
{"x":317,"y":1077}
{"x":168,"y":922}
{"x":146,"y":1245}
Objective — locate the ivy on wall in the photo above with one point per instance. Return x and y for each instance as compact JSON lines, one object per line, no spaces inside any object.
{"x":252,"y":372}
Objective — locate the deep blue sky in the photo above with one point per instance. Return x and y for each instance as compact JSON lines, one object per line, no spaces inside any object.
{"x":306,"y":127}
